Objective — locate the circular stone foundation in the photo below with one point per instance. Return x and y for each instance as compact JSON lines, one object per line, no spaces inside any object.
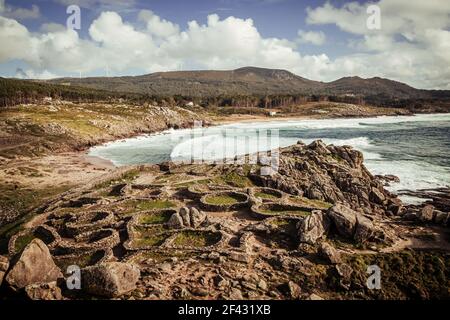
{"x":89,"y":221}
{"x":19,"y":241}
{"x":267,"y":194}
{"x":266,"y":210}
{"x":224,"y":201}
{"x":198,"y":190}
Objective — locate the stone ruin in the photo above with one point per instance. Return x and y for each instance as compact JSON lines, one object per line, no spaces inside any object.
{"x":220,"y":221}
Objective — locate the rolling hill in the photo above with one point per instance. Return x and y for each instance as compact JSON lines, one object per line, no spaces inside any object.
{"x":246,"y":81}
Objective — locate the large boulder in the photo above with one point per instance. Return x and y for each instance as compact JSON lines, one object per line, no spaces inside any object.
{"x":377,"y":196}
{"x":185,"y":216}
{"x":43,"y":291}
{"x":426,"y":214}
{"x":35,"y":265}
{"x":328,"y":252}
{"x":313,"y":227}
{"x":344,"y":219}
{"x":197,"y":217}
{"x":110,"y":279}
{"x":175,"y":221}
{"x":4,"y":265}
{"x":364,"y":229}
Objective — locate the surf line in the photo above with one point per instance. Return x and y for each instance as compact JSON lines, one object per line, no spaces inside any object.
{"x":199,"y":311}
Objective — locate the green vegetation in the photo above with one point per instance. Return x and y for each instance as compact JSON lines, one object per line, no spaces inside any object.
{"x":131,"y":206}
{"x":405,"y":275}
{"x":196,"y":239}
{"x":23,"y":240}
{"x":158,"y":217}
{"x":224,"y":199}
{"x":279,"y":209}
{"x":321,"y":205}
{"x":126,"y":177}
{"x":267,"y":196}
{"x":235,"y":180}
{"x":154,"y":236}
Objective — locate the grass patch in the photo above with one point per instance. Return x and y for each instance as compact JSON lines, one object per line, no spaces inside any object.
{"x":22,"y":241}
{"x":267,"y":196}
{"x":318,"y":204}
{"x":132,"y":206}
{"x":150,"y":237}
{"x":196,"y":239}
{"x":223,"y":199}
{"x":235,"y":180}
{"x":300,"y":213}
{"x":155,"y":217}
{"x":405,"y":275}
{"x":126,"y":177}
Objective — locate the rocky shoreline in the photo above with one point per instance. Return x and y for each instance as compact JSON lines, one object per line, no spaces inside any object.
{"x":308,"y":231}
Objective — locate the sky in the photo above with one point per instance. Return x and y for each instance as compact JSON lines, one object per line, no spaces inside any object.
{"x":403,"y":40}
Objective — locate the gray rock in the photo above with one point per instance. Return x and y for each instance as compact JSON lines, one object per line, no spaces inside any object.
{"x":175,"y":221}
{"x":293,"y":290}
{"x":313,"y":227}
{"x":410,"y":216}
{"x":344,"y":219}
{"x":197,"y":217}
{"x":364,"y":229}
{"x":426,"y":214}
{"x":235,"y":294}
{"x":262,"y":285}
{"x":110,"y":279}
{"x":184,"y":213}
{"x":330,"y":253}
{"x":345,"y":272}
{"x":4,"y":265}
{"x":35,"y":265}
{"x":441,"y":217}
{"x":314,"y":297}
{"x":43,"y":291}
{"x":377,"y":196}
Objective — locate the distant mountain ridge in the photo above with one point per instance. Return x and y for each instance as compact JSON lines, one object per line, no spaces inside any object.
{"x":245,"y":81}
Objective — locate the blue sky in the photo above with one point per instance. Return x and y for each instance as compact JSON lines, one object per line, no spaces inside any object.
{"x":321,"y":40}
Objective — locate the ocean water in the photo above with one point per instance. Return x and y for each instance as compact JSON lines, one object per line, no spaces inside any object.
{"x":414,"y":148}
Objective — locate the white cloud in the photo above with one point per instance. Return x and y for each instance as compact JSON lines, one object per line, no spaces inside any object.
{"x":412,"y":45}
{"x":314,"y":37}
{"x":19,"y":13}
{"x":407,"y":48}
{"x":156,"y":26}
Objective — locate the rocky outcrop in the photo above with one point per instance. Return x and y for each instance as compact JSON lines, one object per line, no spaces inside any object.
{"x":364,"y":229}
{"x":426,"y":214}
{"x":328,"y":252}
{"x":328,"y":173}
{"x":344,"y":220}
{"x":313,"y":227}
{"x":351,"y":224}
{"x":43,"y":291}
{"x":35,"y":265}
{"x":110,"y":279}
{"x":187,"y":218}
